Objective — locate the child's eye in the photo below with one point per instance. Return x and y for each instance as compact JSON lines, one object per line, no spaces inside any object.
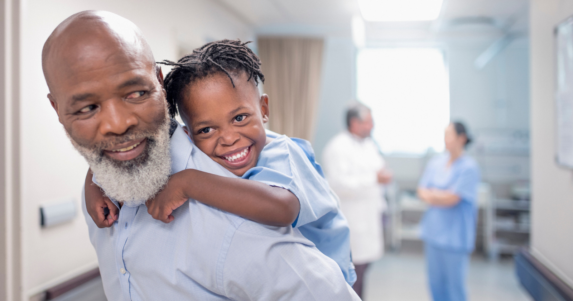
{"x":204,"y":130}
{"x":240,"y":118}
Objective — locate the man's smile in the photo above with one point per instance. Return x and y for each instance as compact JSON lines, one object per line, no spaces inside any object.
{"x":127,"y":151}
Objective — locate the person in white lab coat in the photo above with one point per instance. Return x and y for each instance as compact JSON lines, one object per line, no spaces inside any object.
{"x":356,"y":171}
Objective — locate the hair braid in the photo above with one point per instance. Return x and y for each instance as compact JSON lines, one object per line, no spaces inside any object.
{"x":227,"y":56}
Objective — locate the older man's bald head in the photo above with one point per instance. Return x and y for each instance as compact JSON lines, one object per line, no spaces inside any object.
{"x":88,"y":38}
{"x":108,"y":94}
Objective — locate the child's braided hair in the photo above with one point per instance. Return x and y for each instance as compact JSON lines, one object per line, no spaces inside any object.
{"x":227,"y":56}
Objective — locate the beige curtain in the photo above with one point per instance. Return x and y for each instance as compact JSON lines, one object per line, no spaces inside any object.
{"x":292,"y":68}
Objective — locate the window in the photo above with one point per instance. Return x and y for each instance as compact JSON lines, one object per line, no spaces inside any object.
{"x":407,"y":90}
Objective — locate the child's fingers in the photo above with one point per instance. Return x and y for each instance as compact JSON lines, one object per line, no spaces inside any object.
{"x":107,"y":223}
{"x":106,"y":214}
{"x":111,"y":218}
{"x":151,"y":209}
{"x":155,"y":211}
{"x":159,"y":210}
{"x":97,"y":216}
{"x":112,"y":208}
{"x":164,"y":215}
{"x":100,"y":218}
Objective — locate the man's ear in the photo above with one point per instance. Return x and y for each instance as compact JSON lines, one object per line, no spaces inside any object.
{"x":53,"y":102}
{"x":159,"y":74}
{"x":265,"y":107}
{"x":54,"y":105}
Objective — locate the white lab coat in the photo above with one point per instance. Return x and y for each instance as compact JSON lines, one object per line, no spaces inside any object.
{"x":351,"y":165}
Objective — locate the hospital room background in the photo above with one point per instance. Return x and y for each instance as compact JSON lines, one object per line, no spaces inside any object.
{"x":488,"y":63}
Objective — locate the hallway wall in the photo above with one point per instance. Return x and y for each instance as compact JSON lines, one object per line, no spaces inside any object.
{"x":552,"y":199}
{"x":51,"y":169}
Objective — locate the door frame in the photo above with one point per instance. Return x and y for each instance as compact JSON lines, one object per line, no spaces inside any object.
{"x":10,"y":209}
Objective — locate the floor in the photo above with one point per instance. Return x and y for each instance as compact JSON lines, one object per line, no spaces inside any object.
{"x":90,"y":291}
{"x":402,"y":277}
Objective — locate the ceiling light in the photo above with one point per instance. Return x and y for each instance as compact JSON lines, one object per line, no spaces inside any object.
{"x":400,"y":10}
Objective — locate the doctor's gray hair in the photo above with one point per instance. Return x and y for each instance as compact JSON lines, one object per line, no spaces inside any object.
{"x":356,"y":110}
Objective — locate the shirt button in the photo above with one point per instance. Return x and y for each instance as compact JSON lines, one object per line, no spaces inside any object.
{"x":123,"y":271}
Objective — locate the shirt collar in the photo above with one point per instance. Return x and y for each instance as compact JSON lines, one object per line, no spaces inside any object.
{"x":181,"y":147}
{"x":172,"y":127}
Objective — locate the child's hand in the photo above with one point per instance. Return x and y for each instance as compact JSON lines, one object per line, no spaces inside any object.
{"x":167,"y":200}
{"x":101,"y":209}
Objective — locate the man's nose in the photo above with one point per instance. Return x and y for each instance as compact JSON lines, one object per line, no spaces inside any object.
{"x":117,"y":118}
{"x":229,"y":137}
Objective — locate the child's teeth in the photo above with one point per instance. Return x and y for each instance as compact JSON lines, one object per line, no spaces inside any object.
{"x":238,"y":156}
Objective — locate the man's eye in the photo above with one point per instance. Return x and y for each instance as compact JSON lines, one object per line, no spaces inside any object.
{"x":240,"y":118}
{"x":87,"y":109}
{"x":204,"y":130}
{"x":135,"y":94}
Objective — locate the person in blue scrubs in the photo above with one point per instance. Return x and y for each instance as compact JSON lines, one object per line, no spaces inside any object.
{"x":450,"y":186}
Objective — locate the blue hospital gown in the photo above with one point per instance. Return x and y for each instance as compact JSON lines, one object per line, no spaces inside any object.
{"x":289,"y":163}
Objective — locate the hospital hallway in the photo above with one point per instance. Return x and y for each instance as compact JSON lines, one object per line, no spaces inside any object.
{"x":446,"y":122}
{"x":401,"y":276}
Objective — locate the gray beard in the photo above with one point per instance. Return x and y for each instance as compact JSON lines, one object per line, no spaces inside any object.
{"x":135,"y":181}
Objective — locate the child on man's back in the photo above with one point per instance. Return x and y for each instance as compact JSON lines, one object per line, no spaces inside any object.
{"x":215,"y":92}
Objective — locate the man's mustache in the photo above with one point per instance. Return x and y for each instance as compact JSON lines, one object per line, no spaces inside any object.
{"x":111,"y":142}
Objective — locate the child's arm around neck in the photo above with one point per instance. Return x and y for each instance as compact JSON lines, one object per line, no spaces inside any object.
{"x":252,"y":200}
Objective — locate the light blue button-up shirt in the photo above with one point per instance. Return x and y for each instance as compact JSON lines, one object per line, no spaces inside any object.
{"x":207,"y":254}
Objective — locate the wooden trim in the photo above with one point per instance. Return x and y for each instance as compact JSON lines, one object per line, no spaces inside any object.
{"x":541,"y":283}
{"x":71,"y":284}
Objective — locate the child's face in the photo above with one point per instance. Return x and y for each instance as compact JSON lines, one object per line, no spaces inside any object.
{"x":226,"y":123}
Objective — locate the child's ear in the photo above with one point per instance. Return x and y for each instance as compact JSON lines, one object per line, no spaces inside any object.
{"x":265,"y":107}
{"x":186,"y":129}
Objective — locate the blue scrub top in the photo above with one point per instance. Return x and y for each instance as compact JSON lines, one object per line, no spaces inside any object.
{"x":452,"y":228}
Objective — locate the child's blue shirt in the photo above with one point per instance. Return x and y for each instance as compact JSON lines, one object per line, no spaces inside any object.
{"x":289,"y":164}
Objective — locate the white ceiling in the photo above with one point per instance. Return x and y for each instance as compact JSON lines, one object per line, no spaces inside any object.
{"x":262,"y":13}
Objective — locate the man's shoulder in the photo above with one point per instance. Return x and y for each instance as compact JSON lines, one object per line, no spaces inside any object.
{"x":201,"y":213}
{"x":221,"y":221}
{"x":211,"y":222}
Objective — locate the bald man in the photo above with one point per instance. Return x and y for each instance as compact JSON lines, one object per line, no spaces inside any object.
{"x":107,"y":91}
